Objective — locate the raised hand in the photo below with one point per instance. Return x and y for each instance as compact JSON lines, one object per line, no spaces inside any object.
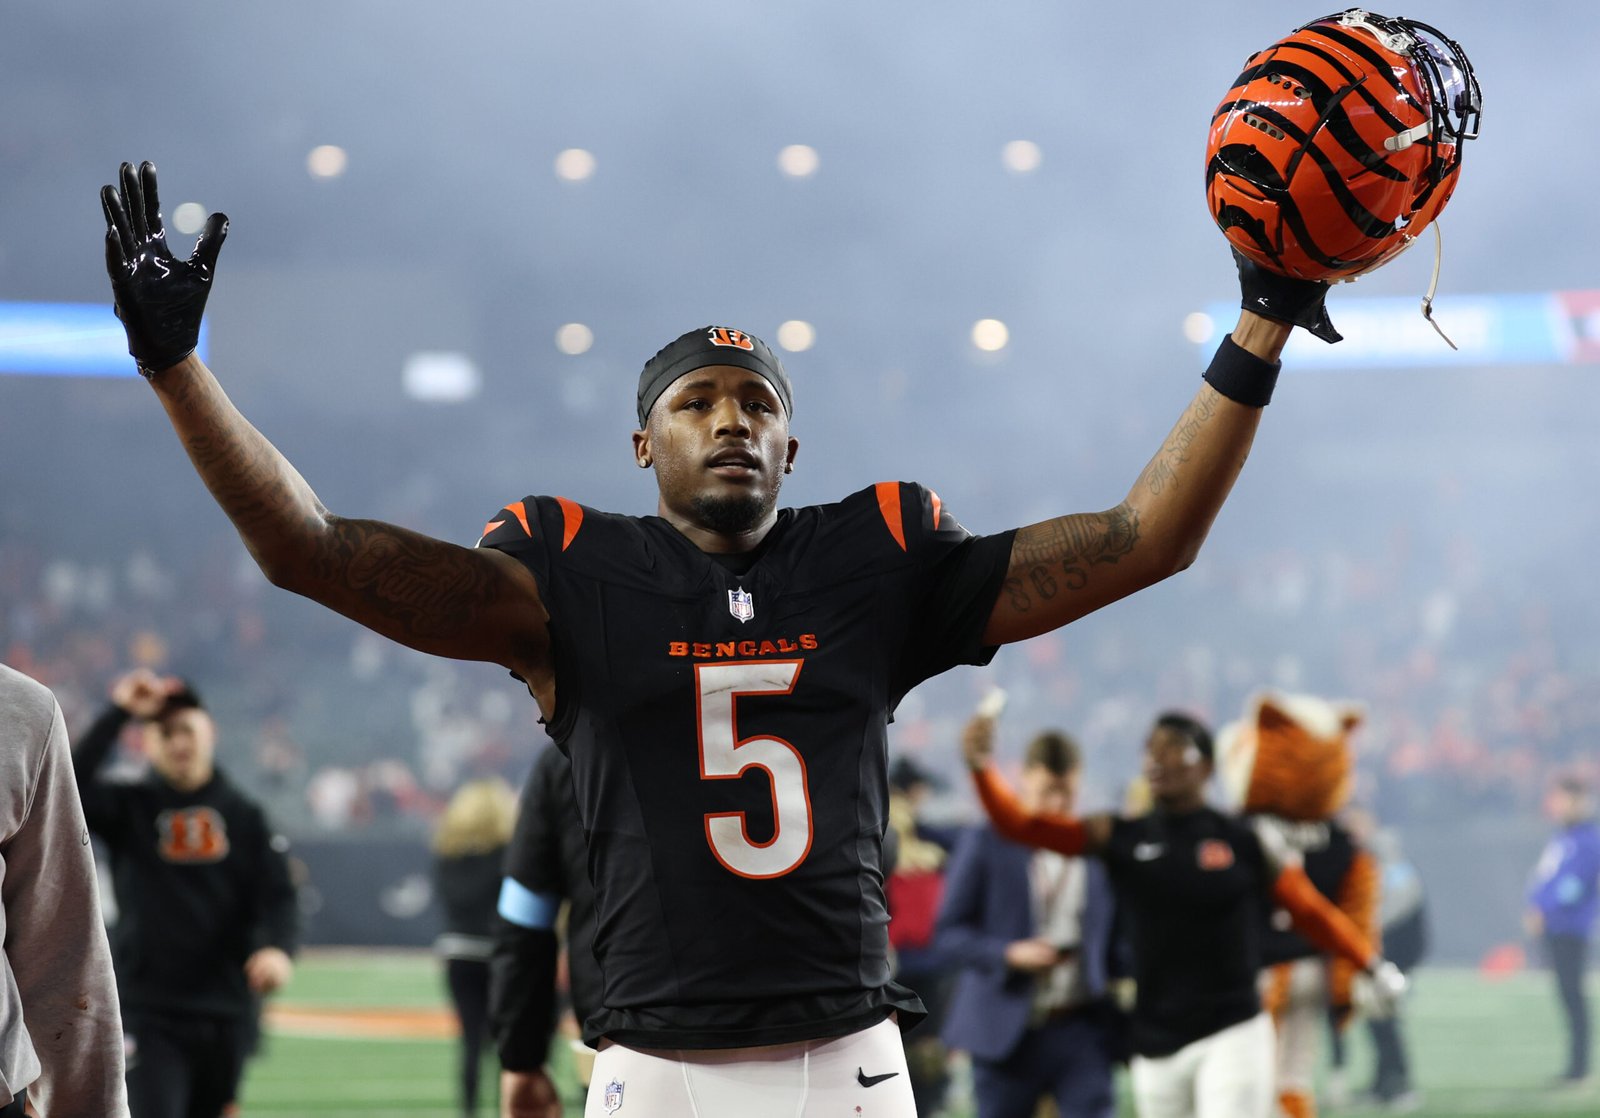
{"x":1295,"y":301}
{"x":141,"y":692}
{"x":159,"y":298}
{"x":977,"y":741}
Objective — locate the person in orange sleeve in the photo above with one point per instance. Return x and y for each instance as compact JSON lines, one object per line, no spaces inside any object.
{"x":1196,"y":883}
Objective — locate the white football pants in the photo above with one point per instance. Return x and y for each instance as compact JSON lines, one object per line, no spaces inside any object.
{"x":862,"y":1075}
{"x":1228,"y":1074}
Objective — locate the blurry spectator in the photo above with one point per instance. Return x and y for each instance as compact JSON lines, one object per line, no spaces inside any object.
{"x":207,"y":916}
{"x":1563,"y":900}
{"x":60,"y":1029}
{"x":469,"y":847}
{"x":337,"y":798}
{"x":279,"y":758}
{"x":1403,"y":916}
{"x":547,"y":867}
{"x":913,"y":892}
{"x":1031,"y":930}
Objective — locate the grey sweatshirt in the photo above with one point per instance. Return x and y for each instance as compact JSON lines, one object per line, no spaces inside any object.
{"x":60,"y":1026}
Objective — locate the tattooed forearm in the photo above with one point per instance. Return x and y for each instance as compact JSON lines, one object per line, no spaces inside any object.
{"x":1162,"y":471}
{"x":1049,"y":558}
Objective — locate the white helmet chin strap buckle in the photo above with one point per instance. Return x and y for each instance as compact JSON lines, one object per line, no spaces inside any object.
{"x":1433,"y":286}
{"x":1400,"y":42}
{"x":1402,"y":140}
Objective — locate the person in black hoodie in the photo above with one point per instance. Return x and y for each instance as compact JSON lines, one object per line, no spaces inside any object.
{"x":207,"y":915}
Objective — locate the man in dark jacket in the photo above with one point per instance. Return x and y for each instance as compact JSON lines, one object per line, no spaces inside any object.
{"x":1031,"y":930}
{"x":207,"y":918}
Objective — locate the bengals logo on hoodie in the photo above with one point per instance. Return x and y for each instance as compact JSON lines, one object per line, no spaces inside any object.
{"x":195,"y":834}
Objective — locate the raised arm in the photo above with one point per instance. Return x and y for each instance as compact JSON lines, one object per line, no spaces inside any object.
{"x":432,"y":595}
{"x":1064,"y":568}
{"x":1063,"y":834}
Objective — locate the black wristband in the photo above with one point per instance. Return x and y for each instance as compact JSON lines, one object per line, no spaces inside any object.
{"x":1241,"y":376}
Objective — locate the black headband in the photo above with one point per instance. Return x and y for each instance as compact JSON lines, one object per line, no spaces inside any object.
{"x":711,"y":345}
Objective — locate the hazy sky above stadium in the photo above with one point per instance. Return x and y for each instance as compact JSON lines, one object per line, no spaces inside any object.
{"x":449,"y":229}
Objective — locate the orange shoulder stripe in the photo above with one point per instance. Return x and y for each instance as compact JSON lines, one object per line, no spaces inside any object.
{"x":938,"y":506}
{"x":889,"y":506}
{"x":491,"y":526}
{"x":571,"y":520}
{"x":518,"y":510}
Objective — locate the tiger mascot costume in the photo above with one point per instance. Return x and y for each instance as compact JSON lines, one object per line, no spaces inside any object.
{"x":1289,"y":761}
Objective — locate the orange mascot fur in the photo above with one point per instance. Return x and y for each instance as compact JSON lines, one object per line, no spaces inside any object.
{"x":1288,"y":762}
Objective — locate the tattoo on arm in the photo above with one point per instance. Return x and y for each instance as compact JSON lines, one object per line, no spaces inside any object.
{"x":430,"y":594}
{"x":1162,"y":470}
{"x":1055,"y":556}
{"x":412,"y":587}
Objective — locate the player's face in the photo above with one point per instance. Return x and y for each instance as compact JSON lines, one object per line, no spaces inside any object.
{"x":1174,"y":767}
{"x":1046,"y":792}
{"x":182,"y":748}
{"x":718,"y":439}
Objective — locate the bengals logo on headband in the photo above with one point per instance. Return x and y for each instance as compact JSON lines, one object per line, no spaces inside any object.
{"x":727,"y":336}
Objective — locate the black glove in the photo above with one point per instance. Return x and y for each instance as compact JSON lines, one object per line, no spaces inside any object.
{"x":1284,"y":298}
{"x":159,"y":298}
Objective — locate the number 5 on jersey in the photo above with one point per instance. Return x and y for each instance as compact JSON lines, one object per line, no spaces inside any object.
{"x":724,"y":757}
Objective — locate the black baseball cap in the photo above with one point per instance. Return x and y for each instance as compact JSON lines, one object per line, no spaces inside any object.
{"x":184,"y":697}
{"x":711,"y":345}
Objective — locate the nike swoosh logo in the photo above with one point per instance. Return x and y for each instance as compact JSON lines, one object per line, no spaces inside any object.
{"x":873,"y":1080}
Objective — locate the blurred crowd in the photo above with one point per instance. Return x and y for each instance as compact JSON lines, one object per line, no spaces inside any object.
{"x":1477,"y":690}
{"x":335,"y":730}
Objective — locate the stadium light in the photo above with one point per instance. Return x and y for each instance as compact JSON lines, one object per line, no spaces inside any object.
{"x":327,"y":161}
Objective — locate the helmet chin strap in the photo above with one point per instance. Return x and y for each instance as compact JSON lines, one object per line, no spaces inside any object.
{"x":1433,"y":285}
{"x":1402,"y":140}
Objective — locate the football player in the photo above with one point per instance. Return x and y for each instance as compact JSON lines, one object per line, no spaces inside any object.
{"x":721,"y":674}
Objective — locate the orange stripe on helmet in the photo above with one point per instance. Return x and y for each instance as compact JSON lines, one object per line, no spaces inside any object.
{"x":889,"y":506}
{"x":571,"y":520}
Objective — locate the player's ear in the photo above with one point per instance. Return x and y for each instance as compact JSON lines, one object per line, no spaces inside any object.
{"x":788,"y":461}
{"x":641,"y":449}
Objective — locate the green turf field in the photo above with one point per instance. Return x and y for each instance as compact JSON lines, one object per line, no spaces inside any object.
{"x":1479,"y":1047}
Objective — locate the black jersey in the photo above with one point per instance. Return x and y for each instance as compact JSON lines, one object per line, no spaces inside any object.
{"x":1326,"y":852}
{"x":201,"y":882}
{"x":1194,"y":889}
{"x":727,"y":735}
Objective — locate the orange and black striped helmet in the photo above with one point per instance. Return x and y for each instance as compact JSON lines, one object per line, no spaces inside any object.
{"x":1340,"y":143}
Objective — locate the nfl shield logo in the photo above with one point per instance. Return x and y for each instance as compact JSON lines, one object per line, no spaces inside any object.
{"x":741,"y":605}
{"x":613,"y":1097}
